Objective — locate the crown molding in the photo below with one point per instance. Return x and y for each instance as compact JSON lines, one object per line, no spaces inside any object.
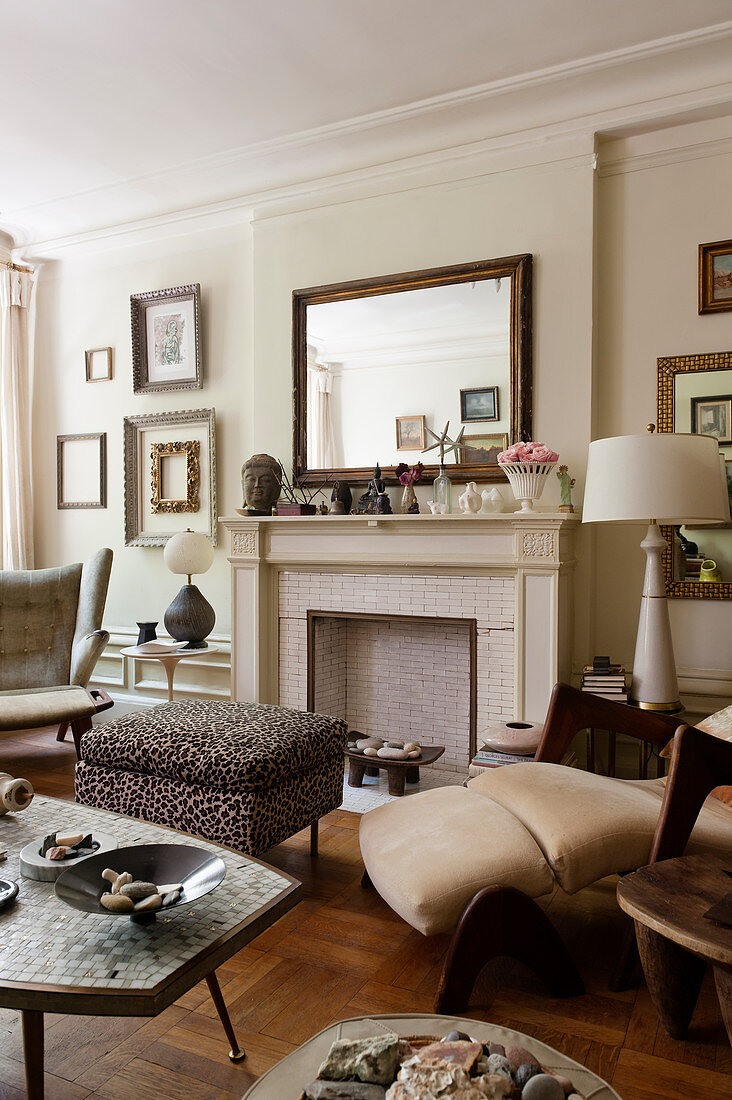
{"x":499,"y":126}
{"x":620,"y":162}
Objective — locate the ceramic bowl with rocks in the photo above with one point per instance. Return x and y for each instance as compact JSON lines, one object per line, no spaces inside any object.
{"x":387,"y":1067}
{"x":138,"y":881}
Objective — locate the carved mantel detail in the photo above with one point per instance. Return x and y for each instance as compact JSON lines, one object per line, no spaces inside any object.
{"x":243,"y":542}
{"x":538,"y":544}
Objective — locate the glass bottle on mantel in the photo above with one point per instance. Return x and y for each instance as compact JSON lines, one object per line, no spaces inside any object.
{"x":442,"y":491}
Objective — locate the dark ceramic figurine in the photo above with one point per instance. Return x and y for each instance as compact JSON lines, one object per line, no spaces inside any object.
{"x":367,"y":503}
{"x":261,"y":481}
{"x":341,"y":499}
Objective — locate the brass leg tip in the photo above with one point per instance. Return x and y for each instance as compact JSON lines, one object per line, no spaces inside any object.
{"x":237,"y":1055}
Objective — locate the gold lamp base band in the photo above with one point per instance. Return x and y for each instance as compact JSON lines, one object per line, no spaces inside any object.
{"x":663,"y":708}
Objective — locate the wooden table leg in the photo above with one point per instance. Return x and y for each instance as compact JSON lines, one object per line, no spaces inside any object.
{"x":372,"y":772}
{"x":314,"y":838}
{"x":413,"y":774}
{"x":236,"y":1054}
{"x":673,"y":977}
{"x":355,"y":773}
{"x":33,"y":1047}
{"x":591,"y":750}
{"x":723,"y":982}
{"x":396,"y":780}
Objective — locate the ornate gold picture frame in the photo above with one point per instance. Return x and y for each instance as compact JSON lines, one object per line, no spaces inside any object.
{"x":158,"y":451}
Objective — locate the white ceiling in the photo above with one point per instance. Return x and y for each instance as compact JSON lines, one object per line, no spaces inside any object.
{"x":109,"y":91}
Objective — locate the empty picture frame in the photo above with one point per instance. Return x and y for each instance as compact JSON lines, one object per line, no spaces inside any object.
{"x":98,"y":364}
{"x":162,"y":457}
{"x":166,"y":349}
{"x":81,"y":470}
{"x":156,"y":434}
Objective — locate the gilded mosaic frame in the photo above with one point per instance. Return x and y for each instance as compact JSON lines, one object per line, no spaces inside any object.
{"x":668,"y":368}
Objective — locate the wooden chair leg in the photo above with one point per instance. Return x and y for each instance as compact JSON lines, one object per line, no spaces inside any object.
{"x":503,"y":921}
{"x":63,"y":729}
{"x":79,"y":726}
{"x":314,"y":839}
{"x":366,"y":882}
{"x":627,"y":970}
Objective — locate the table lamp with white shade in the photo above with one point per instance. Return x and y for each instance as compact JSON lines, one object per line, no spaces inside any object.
{"x":190,"y":617}
{"x":655,"y":478}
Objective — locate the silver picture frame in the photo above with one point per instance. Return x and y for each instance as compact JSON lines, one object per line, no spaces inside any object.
{"x":138,"y":471}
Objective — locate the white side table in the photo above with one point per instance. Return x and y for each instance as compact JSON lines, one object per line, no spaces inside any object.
{"x":169,"y":661}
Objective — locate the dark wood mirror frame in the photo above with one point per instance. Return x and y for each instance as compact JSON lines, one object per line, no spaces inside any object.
{"x":668,"y":368}
{"x":515,"y":268}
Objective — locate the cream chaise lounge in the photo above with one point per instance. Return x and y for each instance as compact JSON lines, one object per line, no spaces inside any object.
{"x":469,"y":860}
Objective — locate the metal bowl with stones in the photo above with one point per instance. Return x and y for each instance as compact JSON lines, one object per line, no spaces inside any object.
{"x":8,"y":892}
{"x":81,"y":886}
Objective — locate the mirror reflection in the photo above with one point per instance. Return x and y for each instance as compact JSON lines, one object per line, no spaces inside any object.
{"x":382,"y":370}
{"x":703,"y":404}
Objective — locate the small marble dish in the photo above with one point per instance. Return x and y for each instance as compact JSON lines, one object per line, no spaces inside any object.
{"x":159,"y":648}
{"x":8,"y":892}
{"x":81,"y":885}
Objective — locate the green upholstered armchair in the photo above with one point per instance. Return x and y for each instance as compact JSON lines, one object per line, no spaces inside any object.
{"x":50,"y":641}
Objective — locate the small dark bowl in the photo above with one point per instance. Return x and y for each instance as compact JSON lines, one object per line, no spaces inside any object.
{"x":8,"y":892}
{"x":82,"y":885}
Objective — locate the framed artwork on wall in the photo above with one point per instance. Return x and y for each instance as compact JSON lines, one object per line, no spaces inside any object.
{"x":81,"y":470}
{"x":483,"y":449}
{"x":713,"y":416}
{"x":166,"y":349}
{"x":98,"y":364}
{"x":409,"y":433}
{"x":715,"y":277}
{"x":170,"y":476}
{"x":479,"y":404}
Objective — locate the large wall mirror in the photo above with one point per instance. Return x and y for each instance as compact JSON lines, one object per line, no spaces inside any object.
{"x":695,"y":395}
{"x":379,"y":363}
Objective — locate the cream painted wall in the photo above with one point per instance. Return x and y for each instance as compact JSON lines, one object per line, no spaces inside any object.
{"x":83,"y":302}
{"x":651,"y":219}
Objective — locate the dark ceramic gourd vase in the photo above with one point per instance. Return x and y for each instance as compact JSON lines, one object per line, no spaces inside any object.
{"x":190,"y":617}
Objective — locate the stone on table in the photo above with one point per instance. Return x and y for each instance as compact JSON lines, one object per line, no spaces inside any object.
{"x":344,"y":1090}
{"x":373,"y":1060}
{"x":542,"y":1087}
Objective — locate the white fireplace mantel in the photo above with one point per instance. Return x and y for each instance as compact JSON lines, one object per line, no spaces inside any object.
{"x":535,"y":549}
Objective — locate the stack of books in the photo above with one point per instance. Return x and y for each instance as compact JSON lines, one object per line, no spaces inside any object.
{"x":606,"y":680}
{"x":693,"y":566}
{"x":487,"y":758}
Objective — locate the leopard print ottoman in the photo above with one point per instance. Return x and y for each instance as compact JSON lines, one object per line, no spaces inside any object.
{"x":246,"y":775}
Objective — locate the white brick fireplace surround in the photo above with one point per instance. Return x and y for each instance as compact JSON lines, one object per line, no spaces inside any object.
{"x":430,"y":626}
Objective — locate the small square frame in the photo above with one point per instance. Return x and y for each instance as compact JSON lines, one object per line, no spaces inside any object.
{"x":61,"y":440}
{"x":89,"y":359}
{"x":401,"y":445}
{"x":708,"y":253}
{"x":490,"y":393}
{"x":158,"y":451}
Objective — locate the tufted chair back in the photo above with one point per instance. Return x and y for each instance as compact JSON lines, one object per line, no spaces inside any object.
{"x":43,"y":613}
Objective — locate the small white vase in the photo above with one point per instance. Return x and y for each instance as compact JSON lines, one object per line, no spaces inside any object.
{"x":470,"y":500}
{"x":15,"y":794}
{"x":492,"y":501}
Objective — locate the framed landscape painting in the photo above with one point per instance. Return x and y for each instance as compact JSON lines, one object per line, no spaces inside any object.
{"x":479,"y":404}
{"x":715,"y":277}
{"x":483,"y":449}
{"x":166,"y":352}
{"x":409,"y":433}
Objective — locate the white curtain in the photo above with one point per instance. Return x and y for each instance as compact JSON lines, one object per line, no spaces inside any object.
{"x":16,"y":293}
{"x":321,"y":444}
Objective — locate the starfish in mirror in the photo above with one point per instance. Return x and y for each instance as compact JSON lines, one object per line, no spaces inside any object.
{"x":444,"y":443}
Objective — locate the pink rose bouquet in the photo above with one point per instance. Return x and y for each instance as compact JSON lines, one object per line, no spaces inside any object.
{"x":528,"y":452}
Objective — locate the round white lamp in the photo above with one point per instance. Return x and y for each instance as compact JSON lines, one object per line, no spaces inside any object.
{"x":662,"y":478}
{"x":190,"y":617}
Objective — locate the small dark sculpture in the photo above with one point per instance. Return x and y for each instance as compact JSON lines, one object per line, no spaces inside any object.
{"x":261,"y":481}
{"x":367,"y":503}
{"x":383,"y":505}
{"x":690,"y":548}
{"x":342,"y":499}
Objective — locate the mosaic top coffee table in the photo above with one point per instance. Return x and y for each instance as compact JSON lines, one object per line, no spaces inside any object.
{"x":57,"y":959}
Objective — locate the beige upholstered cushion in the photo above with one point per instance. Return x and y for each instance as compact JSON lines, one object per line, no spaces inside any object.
{"x":428,"y":854}
{"x":37,"y":624}
{"x":589,"y":826}
{"x":43,"y":707}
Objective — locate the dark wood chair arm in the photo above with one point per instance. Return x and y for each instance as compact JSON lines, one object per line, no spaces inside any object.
{"x":101,"y":700}
{"x":699,"y":763}
{"x":571,"y":711}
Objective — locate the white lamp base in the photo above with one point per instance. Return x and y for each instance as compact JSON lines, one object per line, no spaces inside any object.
{"x":654,"y":685}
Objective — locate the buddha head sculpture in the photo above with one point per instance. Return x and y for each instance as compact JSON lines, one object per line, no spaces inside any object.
{"x":261,"y":480}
